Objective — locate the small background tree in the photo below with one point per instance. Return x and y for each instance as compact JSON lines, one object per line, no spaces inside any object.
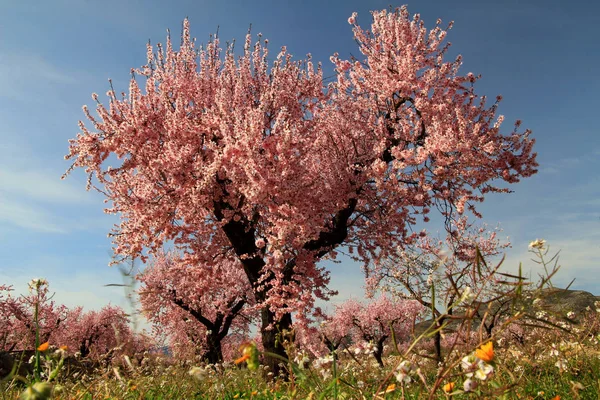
{"x":196,"y":305}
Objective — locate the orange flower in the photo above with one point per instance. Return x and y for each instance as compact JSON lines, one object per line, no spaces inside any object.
{"x":242,"y":359}
{"x":448,"y":387}
{"x":485,"y":352}
{"x":389,"y":389}
{"x":43,"y":346}
{"x":557,"y":397}
{"x":249,"y":354}
{"x":64,"y":348}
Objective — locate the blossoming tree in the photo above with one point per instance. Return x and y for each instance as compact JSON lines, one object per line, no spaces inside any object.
{"x":98,"y":334}
{"x":372,"y":323}
{"x":19,"y":323}
{"x":197,"y":306}
{"x":227,"y":155}
{"x":447,"y":275}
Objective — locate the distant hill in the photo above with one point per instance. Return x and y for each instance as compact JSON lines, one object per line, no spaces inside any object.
{"x":555,"y":301}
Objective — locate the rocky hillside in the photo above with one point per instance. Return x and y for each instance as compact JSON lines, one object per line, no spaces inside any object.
{"x":554,"y":301}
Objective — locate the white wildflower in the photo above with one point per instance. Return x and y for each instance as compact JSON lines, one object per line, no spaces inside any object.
{"x":36,"y":284}
{"x":466,"y":296}
{"x":469,"y":385}
{"x":403,"y":371}
{"x":538,"y":244}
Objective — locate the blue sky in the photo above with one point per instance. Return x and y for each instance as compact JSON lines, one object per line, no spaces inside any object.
{"x":542,"y":56}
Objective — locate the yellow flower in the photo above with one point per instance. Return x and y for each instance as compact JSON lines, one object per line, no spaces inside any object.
{"x":43,"y":346}
{"x":448,"y":387}
{"x":485,"y":352}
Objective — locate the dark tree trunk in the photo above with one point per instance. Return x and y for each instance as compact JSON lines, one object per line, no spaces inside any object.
{"x":213,"y":354}
{"x":272,"y":340}
{"x":240,"y":229}
{"x":378,"y":356}
{"x":84,"y":350}
{"x":378,"y":353}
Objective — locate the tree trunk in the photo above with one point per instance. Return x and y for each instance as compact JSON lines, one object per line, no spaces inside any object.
{"x":378,"y":353}
{"x":378,"y":356}
{"x":272,"y":341}
{"x":213,"y":354}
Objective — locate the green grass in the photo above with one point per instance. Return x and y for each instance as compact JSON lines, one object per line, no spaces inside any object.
{"x":514,"y":378}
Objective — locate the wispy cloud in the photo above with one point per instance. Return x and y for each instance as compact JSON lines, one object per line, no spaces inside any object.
{"x":561,"y":165}
{"x":42,"y":186}
{"x":23,"y":74}
{"x":28,"y":216}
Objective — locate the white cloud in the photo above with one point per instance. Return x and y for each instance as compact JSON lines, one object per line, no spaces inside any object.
{"x":41,"y":185}
{"x":25,"y":73}
{"x":30,"y":217}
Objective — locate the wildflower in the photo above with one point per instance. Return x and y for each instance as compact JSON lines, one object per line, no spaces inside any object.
{"x":538,"y":244}
{"x":370,"y":348}
{"x":448,"y":387}
{"x":519,"y":368}
{"x":485,"y":352}
{"x":36,"y":284}
{"x":466,"y":296}
{"x":249,"y":355}
{"x":61,"y":351}
{"x":389,"y":389}
{"x":561,"y":365}
{"x":469,"y":364}
{"x":44,"y":346}
{"x":405,"y":368}
{"x":325,"y":361}
{"x":302,"y":360}
{"x":571,"y":314}
{"x":469,"y":385}
{"x":484,"y":371}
